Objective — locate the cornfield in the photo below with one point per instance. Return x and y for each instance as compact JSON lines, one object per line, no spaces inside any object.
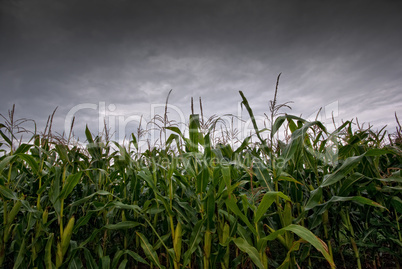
{"x":198,"y":203}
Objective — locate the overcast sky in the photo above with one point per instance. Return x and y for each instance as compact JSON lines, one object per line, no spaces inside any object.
{"x":344,"y":55}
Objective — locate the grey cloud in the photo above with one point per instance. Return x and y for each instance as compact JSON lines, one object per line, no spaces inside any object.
{"x":59,"y":53}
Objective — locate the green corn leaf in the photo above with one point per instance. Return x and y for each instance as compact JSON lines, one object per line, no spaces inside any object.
{"x":210,"y":208}
{"x":295,"y":246}
{"x":71,"y":181}
{"x":123,"y":264}
{"x":279,"y":121}
{"x":30,"y":161}
{"x":307,"y":235}
{"x":315,"y":198}
{"x":21,"y":254}
{"x":289,"y":179}
{"x":287,"y":214}
{"x":122,"y":225}
{"x":342,"y":171}
{"x":171,"y":138}
{"x":75,"y":263}
{"x":105,"y":261}
{"x":366,"y":201}
{"x":299,"y":140}
{"x":292,"y":125}
{"x":3,"y":180}
{"x":250,"y":250}
{"x":243,"y":145}
{"x":149,"y":251}
{"x":83,"y":200}
{"x":120,"y":205}
{"x":62,"y":151}
{"x":251,"y":114}
{"x":310,"y":157}
{"x":294,"y":146}
{"x":195,"y":239}
{"x":135,"y":256}
{"x":5,"y":137}
{"x":134,"y":141}
{"x":263,"y":176}
{"x":335,"y":134}
{"x":45,"y":185}
{"x":123,"y":152}
{"x":358,"y":199}
{"x":89,"y":260}
{"x":202,"y":180}
{"x":378,"y":152}
{"x":162,"y":241}
{"x":176,"y":130}
{"x":89,"y":135}
{"x":266,"y":202}
{"x":183,"y":210}
{"x":116,"y":258}
{"x":8,"y":193}
{"x":393,"y":178}
{"x":232,"y":205}
{"x":348,"y":183}
{"x":6,"y":161}
{"x":226,"y":175}
{"x":48,"y":252}
{"x":90,"y":238}
{"x":396,"y":202}
{"x":193,"y":132}
{"x":54,"y":191}
{"x":146,"y":175}
{"x":164,"y":200}
{"x":23,"y":148}
{"x":277,"y":125}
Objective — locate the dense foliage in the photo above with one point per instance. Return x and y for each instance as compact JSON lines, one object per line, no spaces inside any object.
{"x":314,"y":199}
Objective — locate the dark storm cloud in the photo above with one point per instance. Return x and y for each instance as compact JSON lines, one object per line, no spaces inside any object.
{"x":59,"y":53}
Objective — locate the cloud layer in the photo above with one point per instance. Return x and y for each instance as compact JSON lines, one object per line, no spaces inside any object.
{"x":62,"y":54}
